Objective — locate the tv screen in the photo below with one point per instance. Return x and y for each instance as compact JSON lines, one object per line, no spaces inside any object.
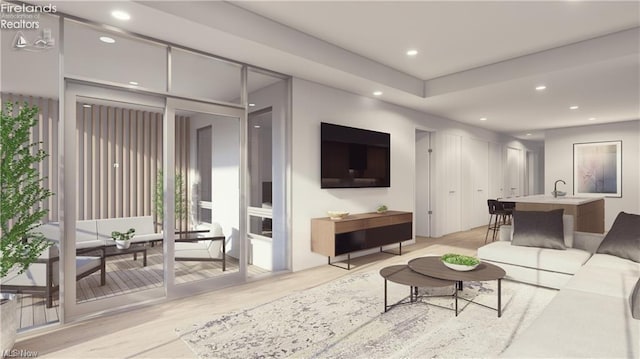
{"x":353,"y":157}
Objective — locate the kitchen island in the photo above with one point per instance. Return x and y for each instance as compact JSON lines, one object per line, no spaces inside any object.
{"x":588,"y":212}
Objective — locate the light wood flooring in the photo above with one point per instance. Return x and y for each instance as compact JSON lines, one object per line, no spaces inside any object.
{"x":124,"y":275}
{"x":148,"y":332}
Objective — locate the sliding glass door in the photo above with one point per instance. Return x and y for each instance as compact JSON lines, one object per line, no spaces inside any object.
{"x":113,"y":154}
{"x":204,"y":160}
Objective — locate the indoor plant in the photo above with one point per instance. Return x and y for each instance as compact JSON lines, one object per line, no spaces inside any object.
{"x":382,"y":208}
{"x":20,"y":213}
{"x":123,"y":239}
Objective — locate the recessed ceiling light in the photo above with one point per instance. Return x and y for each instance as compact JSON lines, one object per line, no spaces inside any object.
{"x":256,"y":126}
{"x":252,"y":104}
{"x":133,"y":83}
{"x":377,"y":93}
{"x":107,"y":39}
{"x":86,"y":105}
{"x":541,"y":88}
{"x":528,"y":134}
{"x":412,"y":52}
{"x":120,"y":15}
{"x":592,"y":119}
{"x":574,"y":107}
{"x":483,"y":119}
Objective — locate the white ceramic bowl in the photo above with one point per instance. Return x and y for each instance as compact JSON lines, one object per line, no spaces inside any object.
{"x":460,"y":267}
{"x":337,"y":214}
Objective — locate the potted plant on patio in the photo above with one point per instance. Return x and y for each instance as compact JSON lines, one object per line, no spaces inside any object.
{"x":21,"y":194}
{"x":123,"y":239}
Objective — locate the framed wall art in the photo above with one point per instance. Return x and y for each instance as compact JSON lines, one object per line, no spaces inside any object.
{"x":597,"y":169}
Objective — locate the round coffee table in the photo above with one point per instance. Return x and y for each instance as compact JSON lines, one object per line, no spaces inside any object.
{"x":433,"y":267}
{"x":402,"y":274}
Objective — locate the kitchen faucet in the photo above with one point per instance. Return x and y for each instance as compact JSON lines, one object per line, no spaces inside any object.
{"x":555,"y":188}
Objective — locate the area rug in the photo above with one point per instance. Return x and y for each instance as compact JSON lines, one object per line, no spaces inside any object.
{"x":345,"y":319}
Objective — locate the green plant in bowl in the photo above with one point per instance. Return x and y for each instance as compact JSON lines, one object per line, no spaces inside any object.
{"x":459,"y":262}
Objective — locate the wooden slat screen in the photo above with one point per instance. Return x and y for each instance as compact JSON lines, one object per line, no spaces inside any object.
{"x":118,"y":159}
{"x":117,"y":166}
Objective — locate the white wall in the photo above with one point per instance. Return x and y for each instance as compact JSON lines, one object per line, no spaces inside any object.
{"x":312,"y":104}
{"x":559,"y":161}
{"x":276,"y":97}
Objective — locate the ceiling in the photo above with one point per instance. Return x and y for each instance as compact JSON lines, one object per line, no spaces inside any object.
{"x":475,"y":59}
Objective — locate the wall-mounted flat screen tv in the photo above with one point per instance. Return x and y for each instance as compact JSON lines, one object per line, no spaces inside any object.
{"x":353,"y":157}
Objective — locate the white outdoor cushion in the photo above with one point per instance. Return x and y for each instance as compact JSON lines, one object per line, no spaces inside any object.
{"x":147,"y":237}
{"x":143,"y":225}
{"x":215,"y":249}
{"x":506,"y":231}
{"x":563,"y":261}
{"x":50,"y":231}
{"x":35,"y":275}
{"x":580,"y":324}
{"x":86,"y":236}
{"x":85,"y":264}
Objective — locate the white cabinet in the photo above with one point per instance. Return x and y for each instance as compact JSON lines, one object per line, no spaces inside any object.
{"x":496,"y":172}
{"x":475,"y":182}
{"x":449,"y":160}
{"x":514,"y":180}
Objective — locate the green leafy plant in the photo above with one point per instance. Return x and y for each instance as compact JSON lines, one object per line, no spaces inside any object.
{"x":22,"y":190}
{"x":123,"y":236}
{"x":382,"y":208}
{"x":460,"y":259}
{"x":180,"y":198}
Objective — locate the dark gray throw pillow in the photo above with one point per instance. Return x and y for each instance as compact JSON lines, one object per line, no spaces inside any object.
{"x":623,"y":239}
{"x":634,"y":301}
{"x":538,"y":229}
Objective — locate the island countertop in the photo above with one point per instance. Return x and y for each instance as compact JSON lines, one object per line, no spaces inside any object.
{"x":543,"y":199}
{"x":588,"y":212}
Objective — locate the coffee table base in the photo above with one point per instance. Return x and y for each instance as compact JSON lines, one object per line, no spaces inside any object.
{"x":402,"y":274}
{"x":498,"y":309}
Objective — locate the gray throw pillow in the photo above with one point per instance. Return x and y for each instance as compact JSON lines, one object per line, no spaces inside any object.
{"x":634,"y":301}
{"x":623,"y":239}
{"x":538,"y":229}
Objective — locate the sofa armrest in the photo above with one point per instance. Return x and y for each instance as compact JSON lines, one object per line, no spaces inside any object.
{"x":587,"y":241}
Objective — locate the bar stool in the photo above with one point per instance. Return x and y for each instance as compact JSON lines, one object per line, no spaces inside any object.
{"x":498,"y":216}
{"x":508,"y":207}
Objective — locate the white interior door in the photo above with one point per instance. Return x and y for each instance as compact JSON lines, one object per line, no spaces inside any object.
{"x":451,"y":183}
{"x":477,"y":181}
{"x":421,"y":216}
{"x":514,"y":172}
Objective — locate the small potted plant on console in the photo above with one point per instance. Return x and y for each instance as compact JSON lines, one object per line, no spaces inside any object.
{"x":123,"y":240}
{"x":382,"y":209}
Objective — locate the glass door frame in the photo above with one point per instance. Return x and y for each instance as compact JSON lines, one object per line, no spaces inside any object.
{"x":70,"y":308}
{"x":179,"y":290}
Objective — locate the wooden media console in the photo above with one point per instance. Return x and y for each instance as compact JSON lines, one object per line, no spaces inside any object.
{"x":359,"y":232}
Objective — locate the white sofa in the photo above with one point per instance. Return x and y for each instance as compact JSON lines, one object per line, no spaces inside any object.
{"x":97,"y":232}
{"x":210,"y":248}
{"x":590,"y":316}
{"x":541,"y":266}
{"x":42,"y":277}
